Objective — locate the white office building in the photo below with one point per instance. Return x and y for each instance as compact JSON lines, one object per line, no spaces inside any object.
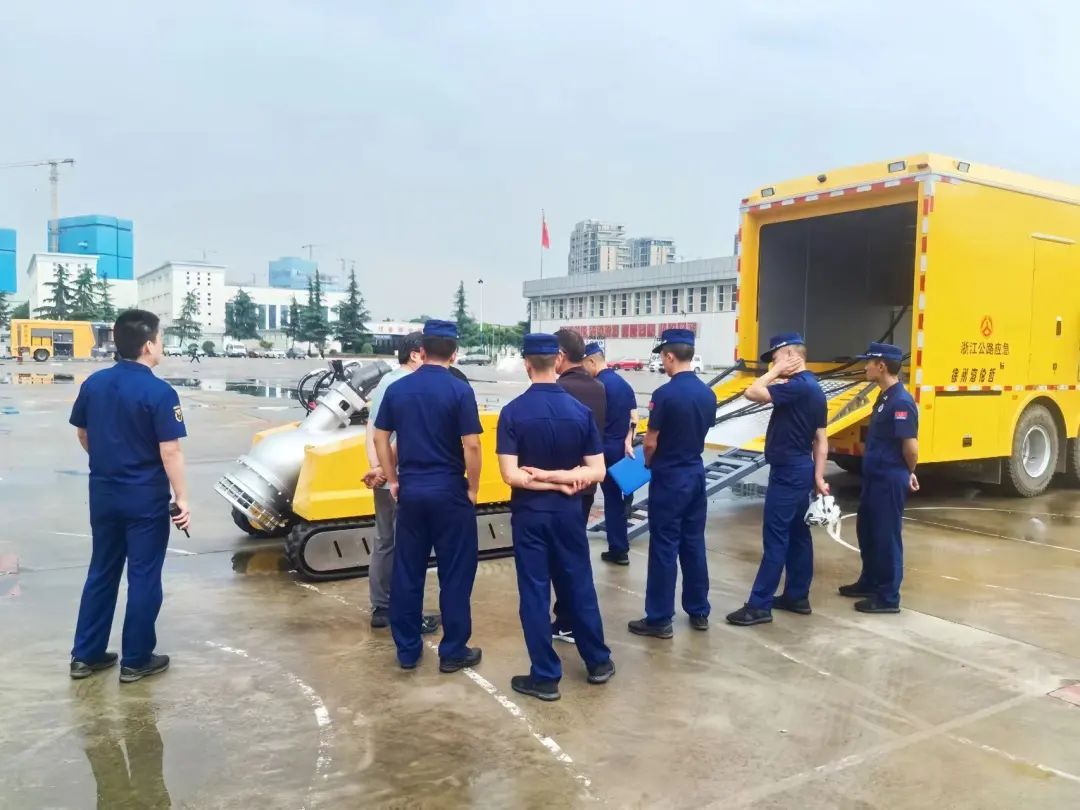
{"x":41,"y":272}
{"x":628,"y":309}
{"x":647,"y":251}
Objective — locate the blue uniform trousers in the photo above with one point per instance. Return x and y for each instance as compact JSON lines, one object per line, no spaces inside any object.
{"x":676,"y":533}
{"x":563,"y":619}
{"x":552,"y":547}
{"x":878,"y":525}
{"x":443,"y":519}
{"x":128,"y":523}
{"x":615,"y":505}
{"x":786,"y":537}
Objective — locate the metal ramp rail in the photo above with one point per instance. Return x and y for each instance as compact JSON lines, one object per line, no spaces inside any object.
{"x":848,"y":403}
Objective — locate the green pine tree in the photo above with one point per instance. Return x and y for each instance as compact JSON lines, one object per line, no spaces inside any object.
{"x":84,"y":307}
{"x":352,"y":319}
{"x":292,"y":327}
{"x":314,"y":324}
{"x":468,"y":329}
{"x":22,"y":311}
{"x":57,"y":307}
{"x":5,"y":310}
{"x":104,"y":311}
{"x":242,"y":317}
{"x":187,"y":326}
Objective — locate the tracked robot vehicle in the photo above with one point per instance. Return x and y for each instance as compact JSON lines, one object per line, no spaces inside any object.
{"x":304,"y":480}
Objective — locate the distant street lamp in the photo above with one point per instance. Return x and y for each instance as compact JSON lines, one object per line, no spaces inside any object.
{"x":480,"y":282}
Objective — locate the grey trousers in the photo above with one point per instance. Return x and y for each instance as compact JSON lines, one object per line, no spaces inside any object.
{"x":382,"y":556}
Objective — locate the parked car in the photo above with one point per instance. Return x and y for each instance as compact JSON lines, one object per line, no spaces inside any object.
{"x":697,"y":365}
{"x":236,"y":350}
{"x":474,"y":359}
{"x":295,"y":354}
{"x":627,"y":364}
{"x":656,"y":364}
{"x":174,"y":351}
{"x":276,"y":354}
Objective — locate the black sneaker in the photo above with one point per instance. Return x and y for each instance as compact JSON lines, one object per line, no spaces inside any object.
{"x":800,"y":606}
{"x":380,"y":618}
{"x":562,"y":634}
{"x":875,"y":605}
{"x":699,"y":622}
{"x":746,"y":616}
{"x":409,"y":666}
{"x":602,"y":673}
{"x":526,"y":685}
{"x":856,"y":590}
{"x":156,"y":665}
{"x":615,"y":557}
{"x":471,"y":659}
{"x":429,"y":624}
{"x":641,"y":627}
{"x":84,"y":669}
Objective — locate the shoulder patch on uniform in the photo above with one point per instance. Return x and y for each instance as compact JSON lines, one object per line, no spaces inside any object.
{"x":900,"y":415}
{"x":179,"y":414}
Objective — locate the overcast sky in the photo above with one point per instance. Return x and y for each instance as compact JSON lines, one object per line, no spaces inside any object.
{"x":423,"y":144}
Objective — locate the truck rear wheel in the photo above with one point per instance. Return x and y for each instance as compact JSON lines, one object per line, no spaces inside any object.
{"x":1034,"y":458}
{"x":41,"y":355}
{"x":1072,"y":462}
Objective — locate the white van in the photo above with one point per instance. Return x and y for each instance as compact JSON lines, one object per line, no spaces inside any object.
{"x":235,"y":350}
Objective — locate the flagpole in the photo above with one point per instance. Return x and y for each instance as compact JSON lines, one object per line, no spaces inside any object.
{"x":540,"y":310}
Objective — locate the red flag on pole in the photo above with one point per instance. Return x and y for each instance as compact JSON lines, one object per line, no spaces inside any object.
{"x":545,"y":240}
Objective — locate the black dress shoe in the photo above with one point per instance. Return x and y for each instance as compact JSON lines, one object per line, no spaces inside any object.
{"x":156,"y":665}
{"x":84,"y":669}
{"x":856,"y":590}
{"x":615,"y":557}
{"x":746,"y":616}
{"x":602,"y":673}
{"x":800,"y":606}
{"x":642,"y":627}
{"x":699,"y":622}
{"x":875,"y":605}
{"x":527,"y":685}
{"x":380,"y":618}
{"x":471,"y":659}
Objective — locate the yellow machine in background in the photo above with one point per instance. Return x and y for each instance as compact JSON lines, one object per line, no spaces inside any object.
{"x":42,"y":340}
{"x":972,"y":270}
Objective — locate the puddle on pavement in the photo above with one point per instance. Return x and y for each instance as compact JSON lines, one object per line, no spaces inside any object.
{"x":254,"y":388}
{"x":32,"y":378}
{"x":260,"y":561}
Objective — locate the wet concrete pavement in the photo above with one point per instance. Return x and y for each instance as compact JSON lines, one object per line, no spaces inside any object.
{"x":281,"y":695}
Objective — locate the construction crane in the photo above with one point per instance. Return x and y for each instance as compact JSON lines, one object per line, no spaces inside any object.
{"x":54,"y":182}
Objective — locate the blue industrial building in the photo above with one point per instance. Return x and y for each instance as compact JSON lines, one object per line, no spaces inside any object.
{"x":292,"y":273}
{"x":108,"y":238}
{"x":7,"y":261}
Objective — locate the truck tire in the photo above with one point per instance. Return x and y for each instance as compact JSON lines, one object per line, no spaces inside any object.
{"x":849,"y":464}
{"x":1072,"y":462}
{"x":241,"y":521}
{"x":41,"y":355}
{"x":1034,"y":457}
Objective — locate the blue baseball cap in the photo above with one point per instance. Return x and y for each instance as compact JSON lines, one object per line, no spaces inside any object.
{"x":674,"y":336}
{"x":882,"y":351}
{"x":539,"y":343}
{"x":780,"y":341}
{"x":442,"y":329}
{"x":593,"y":348}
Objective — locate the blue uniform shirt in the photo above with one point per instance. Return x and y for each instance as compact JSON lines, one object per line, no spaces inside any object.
{"x":430,"y":410}
{"x":682,"y":410}
{"x":895,"y":417}
{"x":547,"y":428}
{"x":620,"y":402}
{"x":799,"y":409}
{"x":127,"y":412}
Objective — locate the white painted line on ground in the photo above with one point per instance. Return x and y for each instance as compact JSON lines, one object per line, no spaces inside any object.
{"x":512,"y":708}
{"x":69,"y":534}
{"x":992,"y":534}
{"x":322,"y":716}
{"x":181,"y":551}
{"x":1013,"y":758}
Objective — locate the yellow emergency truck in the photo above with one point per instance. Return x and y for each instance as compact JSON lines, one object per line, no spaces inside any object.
{"x":973,"y":270}
{"x":42,"y":340}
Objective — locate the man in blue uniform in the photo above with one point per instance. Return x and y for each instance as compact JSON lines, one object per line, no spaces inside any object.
{"x":549,"y":451}
{"x":620,"y":425}
{"x":888,"y":474}
{"x":796,"y":449}
{"x":130,"y":424}
{"x":680,"y":414}
{"x":435,"y":484}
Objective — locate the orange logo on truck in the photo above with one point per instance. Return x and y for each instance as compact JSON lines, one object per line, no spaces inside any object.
{"x":987,"y":326}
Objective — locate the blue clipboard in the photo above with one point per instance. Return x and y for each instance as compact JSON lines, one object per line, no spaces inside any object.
{"x":631,"y":474}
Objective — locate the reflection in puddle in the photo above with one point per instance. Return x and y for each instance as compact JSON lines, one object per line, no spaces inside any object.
{"x":32,"y":378}
{"x":254,"y":388}
{"x":260,"y":561}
